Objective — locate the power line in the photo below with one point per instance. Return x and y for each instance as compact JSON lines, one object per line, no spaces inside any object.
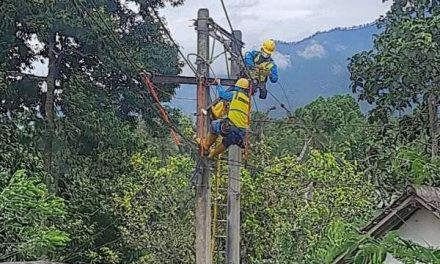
{"x":288,"y":112}
{"x":233,"y":35}
{"x":167,"y":32}
{"x":171,"y":125}
{"x":281,"y":122}
{"x":133,"y":64}
{"x":243,"y":60}
{"x":285,"y":95}
{"x":115,"y":39}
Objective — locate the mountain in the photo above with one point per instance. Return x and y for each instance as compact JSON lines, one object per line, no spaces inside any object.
{"x":313,"y":67}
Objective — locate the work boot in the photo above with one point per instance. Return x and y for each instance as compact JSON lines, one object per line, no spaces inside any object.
{"x":217,"y":151}
{"x":263,"y":92}
{"x":207,"y":143}
{"x":210,"y":139}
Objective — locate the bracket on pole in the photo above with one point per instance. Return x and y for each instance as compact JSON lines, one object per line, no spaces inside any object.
{"x":186,"y":80}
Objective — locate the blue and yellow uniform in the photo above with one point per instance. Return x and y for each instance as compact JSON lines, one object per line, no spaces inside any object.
{"x":262,"y":67}
{"x":233,"y":127}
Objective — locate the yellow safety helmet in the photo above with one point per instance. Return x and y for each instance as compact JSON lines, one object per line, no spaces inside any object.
{"x":269,"y":46}
{"x":242,"y":83}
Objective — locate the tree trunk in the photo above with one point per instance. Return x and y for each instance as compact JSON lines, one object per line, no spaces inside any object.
{"x":433,"y":123}
{"x":49,"y":132}
{"x":304,"y":149}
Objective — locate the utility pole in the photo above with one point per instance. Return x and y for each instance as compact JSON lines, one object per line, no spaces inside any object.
{"x":206,"y":29}
{"x":234,"y":161}
{"x":203,"y":190}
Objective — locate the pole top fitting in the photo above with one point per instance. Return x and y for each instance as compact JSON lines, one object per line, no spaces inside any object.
{"x":203,"y":13}
{"x":237,"y":34}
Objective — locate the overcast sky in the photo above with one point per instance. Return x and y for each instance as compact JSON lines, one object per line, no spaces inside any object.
{"x":287,"y":20}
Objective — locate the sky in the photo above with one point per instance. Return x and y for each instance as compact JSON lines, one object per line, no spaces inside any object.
{"x":285,"y":20}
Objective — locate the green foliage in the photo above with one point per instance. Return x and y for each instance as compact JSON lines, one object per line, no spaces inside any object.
{"x":331,"y":124}
{"x":399,"y":73}
{"x":420,"y":8}
{"x":123,"y":193}
{"x":154,"y":207}
{"x":343,"y":238}
{"x":286,"y":208}
{"x":30,"y":219}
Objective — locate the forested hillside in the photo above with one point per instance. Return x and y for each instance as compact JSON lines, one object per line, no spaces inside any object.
{"x":89,"y":174}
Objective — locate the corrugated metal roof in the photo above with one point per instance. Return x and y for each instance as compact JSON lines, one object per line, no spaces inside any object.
{"x":430,"y":194}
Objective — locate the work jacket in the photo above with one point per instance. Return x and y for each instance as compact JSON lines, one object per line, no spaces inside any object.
{"x":239,"y":105}
{"x":261,"y":67}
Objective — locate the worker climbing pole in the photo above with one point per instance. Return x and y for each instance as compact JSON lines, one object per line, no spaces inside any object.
{"x":218,"y":230}
{"x":224,"y":237}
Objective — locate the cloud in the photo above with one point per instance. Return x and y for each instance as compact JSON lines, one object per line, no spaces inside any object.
{"x":283,"y":61}
{"x":340,"y":47}
{"x":337,"y":69}
{"x":287,"y":20}
{"x":314,"y":50}
{"x":243,"y":3}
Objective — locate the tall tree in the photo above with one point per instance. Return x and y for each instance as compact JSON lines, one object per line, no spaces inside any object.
{"x":103,"y":40}
{"x":401,"y":72}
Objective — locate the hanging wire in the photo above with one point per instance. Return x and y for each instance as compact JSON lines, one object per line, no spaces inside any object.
{"x":235,"y":39}
{"x":172,"y":125}
{"x":167,"y":32}
{"x":288,"y":112}
{"x":113,"y":37}
{"x":285,"y":95}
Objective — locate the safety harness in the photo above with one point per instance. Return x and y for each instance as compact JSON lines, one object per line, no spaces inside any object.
{"x":263,"y":66}
{"x":238,"y":110}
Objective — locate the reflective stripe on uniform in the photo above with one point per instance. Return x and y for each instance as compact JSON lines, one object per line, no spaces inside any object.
{"x":263,"y":67}
{"x":239,"y":109}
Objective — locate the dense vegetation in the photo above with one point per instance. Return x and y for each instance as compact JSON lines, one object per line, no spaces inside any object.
{"x":88,"y":173}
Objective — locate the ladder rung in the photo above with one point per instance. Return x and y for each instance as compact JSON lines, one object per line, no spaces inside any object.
{"x":220,"y":236}
{"x":223,"y":221}
{"x":223,"y":205}
{"x":221,"y":252}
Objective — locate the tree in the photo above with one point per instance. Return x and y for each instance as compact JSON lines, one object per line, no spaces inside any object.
{"x":400,"y":73}
{"x":157,"y":223}
{"x":343,"y":238}
{"x":96,"y":148}
{"x":286,"y":206}
{"x":101,"y":115}
{"x":328,"y":124}
{"x":99,"y":39}
{"x":25,"y":208}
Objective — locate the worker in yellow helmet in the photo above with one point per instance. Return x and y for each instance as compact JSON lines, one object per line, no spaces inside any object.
{"x":262,"y":67}
{"x":233,"y":127}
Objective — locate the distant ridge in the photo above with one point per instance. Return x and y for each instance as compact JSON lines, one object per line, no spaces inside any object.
{"x":327,"y":31}
{"x":315,"y":66}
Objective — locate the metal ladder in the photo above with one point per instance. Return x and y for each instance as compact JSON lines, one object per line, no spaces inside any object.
{"x":219,"y":213}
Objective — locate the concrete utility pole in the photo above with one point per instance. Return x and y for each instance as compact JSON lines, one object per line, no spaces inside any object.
{"x":203,"y":191}
{"x":234,"y":160}
{"x":207,"y":28}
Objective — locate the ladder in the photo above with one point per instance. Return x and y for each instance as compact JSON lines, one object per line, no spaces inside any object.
{"x":219,"y":212}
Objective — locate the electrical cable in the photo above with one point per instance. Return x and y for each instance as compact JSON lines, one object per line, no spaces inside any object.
{"x":285,"y":95}
{"x":175,"y":128}
{"x":137,"y":68}
{"x":235,"y":39}
{"x":167,"y":32}
{"x":288,"y":112}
